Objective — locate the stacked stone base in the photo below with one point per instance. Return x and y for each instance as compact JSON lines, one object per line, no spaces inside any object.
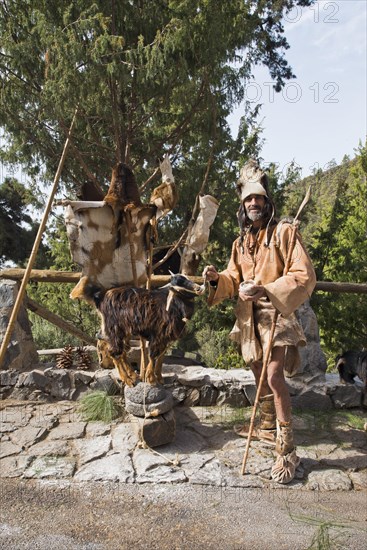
{"x":152,"y":415}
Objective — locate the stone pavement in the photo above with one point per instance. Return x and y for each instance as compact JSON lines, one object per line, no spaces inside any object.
{"x":50,"y":441}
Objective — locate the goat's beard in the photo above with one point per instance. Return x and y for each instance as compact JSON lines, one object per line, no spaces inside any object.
{"x":255,"y":215}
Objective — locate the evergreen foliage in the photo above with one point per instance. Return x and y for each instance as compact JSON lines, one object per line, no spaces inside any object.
{"x":334,"y":228}
{"x":148,"y":77}
{"x":17,"y":227}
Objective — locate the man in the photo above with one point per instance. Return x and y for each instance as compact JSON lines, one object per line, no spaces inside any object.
{"x":257,"y":261}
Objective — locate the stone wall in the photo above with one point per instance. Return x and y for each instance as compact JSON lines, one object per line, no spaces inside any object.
{"x":192,"y":385}
{"x":21,"y":353}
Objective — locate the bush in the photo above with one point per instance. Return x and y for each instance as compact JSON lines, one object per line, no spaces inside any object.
{"x":217,"y":350}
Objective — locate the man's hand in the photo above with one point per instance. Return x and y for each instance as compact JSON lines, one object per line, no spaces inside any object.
{"x":259,"y":292}
{"x":210,"y":273}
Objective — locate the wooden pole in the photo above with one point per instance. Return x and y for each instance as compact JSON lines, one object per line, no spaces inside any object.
{"x":58,"y":321}
{"x":41,"y":275}
{"x":260,"y":385}
{"x":33,"y":255}
{"x":50,"y":276}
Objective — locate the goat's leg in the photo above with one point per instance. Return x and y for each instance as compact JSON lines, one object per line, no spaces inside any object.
{"x":154,"y":368}
{"x":149,"y":372}
{"x":126,"y":373}
{"x":158,"y":368}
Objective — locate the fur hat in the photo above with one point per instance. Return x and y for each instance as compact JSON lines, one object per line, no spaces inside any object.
{"x":252,"y":181}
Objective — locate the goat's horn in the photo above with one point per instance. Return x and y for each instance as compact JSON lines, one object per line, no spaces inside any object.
{"x":168,"y":285}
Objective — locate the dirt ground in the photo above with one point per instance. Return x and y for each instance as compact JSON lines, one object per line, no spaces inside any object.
{"x":39,"y":515}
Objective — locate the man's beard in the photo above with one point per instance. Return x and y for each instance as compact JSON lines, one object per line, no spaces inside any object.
{"x":255,"y":215}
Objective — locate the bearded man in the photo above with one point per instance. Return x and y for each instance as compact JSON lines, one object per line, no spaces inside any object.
{"x":256,"y":273}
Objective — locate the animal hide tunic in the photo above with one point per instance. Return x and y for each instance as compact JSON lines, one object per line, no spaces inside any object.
{"x":254,"y":260}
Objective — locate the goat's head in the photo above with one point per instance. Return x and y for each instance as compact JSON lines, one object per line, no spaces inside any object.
{"x":182,"y":285}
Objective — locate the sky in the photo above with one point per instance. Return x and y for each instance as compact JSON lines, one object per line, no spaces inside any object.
{"x":320,"y":115}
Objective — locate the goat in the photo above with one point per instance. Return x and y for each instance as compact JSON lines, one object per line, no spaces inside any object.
{"x":158,"y":315}
{"x":351,"y":364}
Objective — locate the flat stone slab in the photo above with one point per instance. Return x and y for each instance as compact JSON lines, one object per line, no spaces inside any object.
{"x":329,"y":480}
{"x":359,"y":479}
{"x":193,"y":376}
{"x":91,"y":449}
{"x":14,"y":466}
{"x":151,"y":468}
{"x":186,"y":441}
{"x":25,"y":437}
{"x":114,"y":467}
{"x":235,"y":479}
{"x":191,"y":463}
{"x":208,"y":474}
{"x":6,"y":427}
{"x":8,"y":448}
{"x":15,"y":416}
{"x":345,"y":458}
{"x":125,"y":438}
{"x":55,"y":467}
{"x":50,"y":448}
{"x":68,"y":430}
{"x":95,"y":429}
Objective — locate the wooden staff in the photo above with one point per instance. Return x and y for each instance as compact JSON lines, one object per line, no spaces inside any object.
{"x":266,"y":360}
{"x":36,"y":244}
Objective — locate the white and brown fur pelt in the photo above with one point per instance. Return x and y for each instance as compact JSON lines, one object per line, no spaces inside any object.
{"x":158,"y":315}
{"x":123,"y":194}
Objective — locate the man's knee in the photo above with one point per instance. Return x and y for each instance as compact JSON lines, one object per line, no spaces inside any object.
{"x":276,"y":379}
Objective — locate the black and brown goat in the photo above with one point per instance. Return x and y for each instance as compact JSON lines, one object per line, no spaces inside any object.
{"x":351,"y":364}
{"x":158,"y":315}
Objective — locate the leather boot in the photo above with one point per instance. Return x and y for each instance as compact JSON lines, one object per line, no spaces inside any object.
{"x":287,"y":460}
{"x":266,"y":429}
{"x":284,"y":441}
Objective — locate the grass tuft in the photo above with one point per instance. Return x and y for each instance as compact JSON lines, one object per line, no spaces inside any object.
{"x":99,"y":406}
{"x":328,"y":535}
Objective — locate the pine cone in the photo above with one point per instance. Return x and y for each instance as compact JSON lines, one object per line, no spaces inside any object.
{"x":66,"y":358}
{"x":84,"y":358}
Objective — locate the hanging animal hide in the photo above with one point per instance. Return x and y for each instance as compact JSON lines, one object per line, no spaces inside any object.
{"x":103,"y":258}
{"x":198,"y":237}
{"x":165,"y":196}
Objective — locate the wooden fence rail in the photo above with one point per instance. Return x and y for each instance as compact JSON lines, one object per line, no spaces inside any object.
{"x":50,"y":276}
